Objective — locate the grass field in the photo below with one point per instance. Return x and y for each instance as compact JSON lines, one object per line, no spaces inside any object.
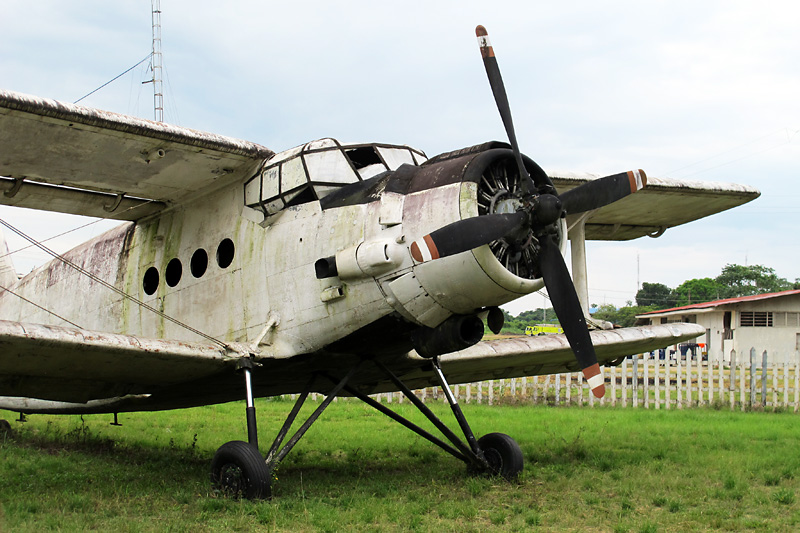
{"x":601,"y":469}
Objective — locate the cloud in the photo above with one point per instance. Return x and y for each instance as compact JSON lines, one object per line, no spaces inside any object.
{"x":702,"y":91}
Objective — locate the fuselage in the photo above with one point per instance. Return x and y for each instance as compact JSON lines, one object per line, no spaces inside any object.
{"x":239,"y":264}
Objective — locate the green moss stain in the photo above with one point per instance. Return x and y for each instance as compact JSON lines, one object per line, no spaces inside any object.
{"x":128,"y":276}
{"x":150,"y":244}
{"x":173,"y":237}
{"x":468,"y":199}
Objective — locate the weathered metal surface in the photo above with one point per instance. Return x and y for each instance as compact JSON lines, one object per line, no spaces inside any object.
{"x":8,"y":275}
{"x":109,"y":121}
{"x":69,"y":364}
{"x":121,"y":361}
{"x":662,"y":204}
{"x":93,"y":150}
{"x":548,"y":354}
{"x":75,"y":201}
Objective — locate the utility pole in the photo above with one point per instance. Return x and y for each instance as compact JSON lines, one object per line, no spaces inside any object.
{"x":638,"y":270}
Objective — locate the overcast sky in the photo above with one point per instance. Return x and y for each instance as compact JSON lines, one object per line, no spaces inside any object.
{"x":683,"y":89}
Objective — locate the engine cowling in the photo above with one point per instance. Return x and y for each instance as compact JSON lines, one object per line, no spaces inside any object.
{"x":468,"y":183}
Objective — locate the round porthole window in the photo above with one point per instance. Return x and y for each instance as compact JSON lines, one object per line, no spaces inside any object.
{"x":174,"y":272}
{"x":225,"y":253}
{"x":199,"y":263}
{"x":150,"y":281}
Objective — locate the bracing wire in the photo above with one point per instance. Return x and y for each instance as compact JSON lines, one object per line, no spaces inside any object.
{"x":12,"y":252}
{"x":115,"y":216}
{"x":39,"y":306}
{"x":114,"y":79}
{"x":111,"y":287}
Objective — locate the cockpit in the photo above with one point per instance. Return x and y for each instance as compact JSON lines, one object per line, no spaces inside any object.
{"x":312,"y":171}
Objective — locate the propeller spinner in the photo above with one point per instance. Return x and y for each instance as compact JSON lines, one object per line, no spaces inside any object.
{"x":537,"y":209}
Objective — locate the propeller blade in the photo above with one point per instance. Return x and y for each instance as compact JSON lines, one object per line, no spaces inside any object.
{"x":501,"y":99}
{"x":465,"y":234}
{"x":597,"y":193}
{"x":570,"y":315}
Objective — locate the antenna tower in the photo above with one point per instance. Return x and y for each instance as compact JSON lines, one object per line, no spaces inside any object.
{"x":158,"y":85}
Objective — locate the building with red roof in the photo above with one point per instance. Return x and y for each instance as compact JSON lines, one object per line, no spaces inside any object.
{"x":767,"y":322}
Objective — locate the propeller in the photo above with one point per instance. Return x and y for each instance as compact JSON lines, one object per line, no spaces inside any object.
{"x":500,"y":97}
{"x":597,"y":193}
{"x":538,"y":208}
{"x":466,"y":234}
{"x":569,"y":312}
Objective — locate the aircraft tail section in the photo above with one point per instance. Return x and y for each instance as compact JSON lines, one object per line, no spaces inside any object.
{"x":8,"y":275}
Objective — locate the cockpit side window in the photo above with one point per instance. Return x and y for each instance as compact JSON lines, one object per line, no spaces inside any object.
{"x":311,"y":172}
{"x":329,"y":167}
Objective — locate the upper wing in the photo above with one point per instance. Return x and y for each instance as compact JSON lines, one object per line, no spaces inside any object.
{"x":662,"y":204}
{"x":74,"y":159}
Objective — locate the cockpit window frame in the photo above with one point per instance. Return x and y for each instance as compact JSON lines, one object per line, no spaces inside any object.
{"x":273,"y":169}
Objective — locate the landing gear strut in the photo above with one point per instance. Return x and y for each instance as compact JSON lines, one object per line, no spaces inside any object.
{"x":239,"y":470}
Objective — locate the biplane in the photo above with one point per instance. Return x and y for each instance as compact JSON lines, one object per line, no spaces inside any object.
{"x":334,"y":268}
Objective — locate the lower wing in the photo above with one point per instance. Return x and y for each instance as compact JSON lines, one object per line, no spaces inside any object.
{"x":68,"y":370}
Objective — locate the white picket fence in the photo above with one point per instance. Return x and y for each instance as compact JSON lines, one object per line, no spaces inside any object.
{"x":751,"y":382}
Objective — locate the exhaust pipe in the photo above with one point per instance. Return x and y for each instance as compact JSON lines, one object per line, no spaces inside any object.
{"x":454,"y":334}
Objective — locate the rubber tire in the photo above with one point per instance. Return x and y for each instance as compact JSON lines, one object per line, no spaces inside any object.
{"x":503,"y":455}
{"x":238,"y":470}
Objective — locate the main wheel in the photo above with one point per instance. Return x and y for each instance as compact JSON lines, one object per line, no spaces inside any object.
{"x":503,"y":455}
{"x":238,"y":470}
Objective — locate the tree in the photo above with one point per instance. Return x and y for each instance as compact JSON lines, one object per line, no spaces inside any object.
{"x":733,"y":281}
{"x":739,"y":280}
{"x":607,"y":312}
{"x":697,"y":290}
{"x":624,"y":316}
{"x":530,"y":316}
{"x":516,"y":325}
{"x":655,"y":294}
{"x":539,"y":316}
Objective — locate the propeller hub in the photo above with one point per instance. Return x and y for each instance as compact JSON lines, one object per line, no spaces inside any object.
{"x":546,"y":209}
